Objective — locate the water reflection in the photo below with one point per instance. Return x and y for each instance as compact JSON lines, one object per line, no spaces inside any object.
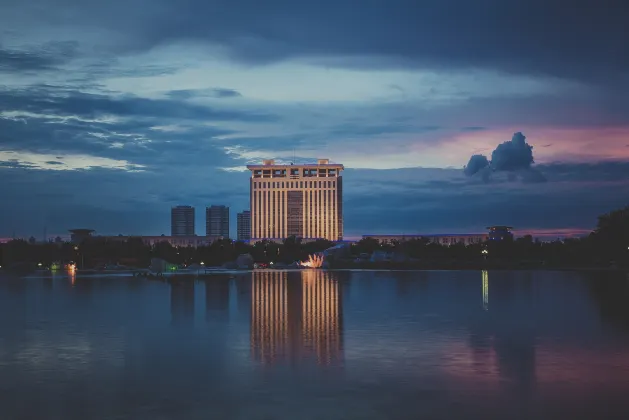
{"x":217,"y":291}
{"x":296,"y":316}
{"x":411,"y":345}
{"x":182,"y":301}
{"x":485,"y":286}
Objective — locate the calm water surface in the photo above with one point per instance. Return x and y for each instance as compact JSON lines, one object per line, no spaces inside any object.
{"x":317,"y":345}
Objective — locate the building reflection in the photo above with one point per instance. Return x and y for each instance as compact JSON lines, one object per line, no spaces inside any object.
{"x":182,"y":301}
{"x":296,"y":316}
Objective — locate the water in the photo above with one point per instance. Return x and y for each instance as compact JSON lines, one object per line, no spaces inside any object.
{"x":316,"y":345}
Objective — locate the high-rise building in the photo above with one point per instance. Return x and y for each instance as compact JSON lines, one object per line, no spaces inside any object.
{"x":243,"y":226}
{"x":217,"y":221}
{"x":182,"y":221}
{"x":305,"y":201}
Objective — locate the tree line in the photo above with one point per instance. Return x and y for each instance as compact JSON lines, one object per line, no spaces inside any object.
{"x":607,"y":245}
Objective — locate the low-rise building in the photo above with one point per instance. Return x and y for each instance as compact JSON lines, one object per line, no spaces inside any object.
{"x":181,"y":241}
{"x":442,"y":239}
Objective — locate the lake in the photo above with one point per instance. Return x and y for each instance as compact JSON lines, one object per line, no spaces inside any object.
{"x":316,"y":345}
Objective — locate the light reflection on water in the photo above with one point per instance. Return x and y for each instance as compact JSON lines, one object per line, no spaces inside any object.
{"x":316,"y":345}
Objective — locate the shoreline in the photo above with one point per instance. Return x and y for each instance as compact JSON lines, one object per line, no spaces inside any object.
{"x":234,"y":272}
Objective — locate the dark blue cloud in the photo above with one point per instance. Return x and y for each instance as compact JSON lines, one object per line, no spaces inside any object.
{"x":476,"y":164}
{"x":519,"y":36}
{"x":49,"y":56}
{"x":512,"y":155}
{"x":201,"y":93}
{"x":452,"y":206}
{"x":47,"y":100}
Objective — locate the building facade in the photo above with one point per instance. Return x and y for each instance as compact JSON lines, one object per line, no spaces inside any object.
{"x":243,"y":225}
{"x":182,"y":221}
{"x":217,"y":221}
{"x":305,"y":201}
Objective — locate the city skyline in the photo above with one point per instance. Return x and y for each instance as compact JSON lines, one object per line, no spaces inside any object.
{"x":109,"y":116}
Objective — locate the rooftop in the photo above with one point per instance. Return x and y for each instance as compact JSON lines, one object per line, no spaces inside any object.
{"x":270,"y":163}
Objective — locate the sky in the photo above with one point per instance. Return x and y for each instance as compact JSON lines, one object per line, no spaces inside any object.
{"x":449,"y":115}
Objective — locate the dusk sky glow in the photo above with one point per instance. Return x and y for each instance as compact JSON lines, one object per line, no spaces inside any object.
{"x":112,"y":112}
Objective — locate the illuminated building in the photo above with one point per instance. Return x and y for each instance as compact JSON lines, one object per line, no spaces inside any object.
{"x":217,"y":221}
{"x":182,"y":221}
{"x":243,"y":227}
{"x":295,"y":318}
{"x":305,"y":201}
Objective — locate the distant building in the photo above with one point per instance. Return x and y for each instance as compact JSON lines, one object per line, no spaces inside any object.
{"x":442,"y":239}
{"x":243,"y":227}
{"x":182,"y":221}
{"x":500,"y":233}
{"x":79,"y":235}
{"x":217,"y":221}
{"x":305,"y":201}
{"x":177,"y":241}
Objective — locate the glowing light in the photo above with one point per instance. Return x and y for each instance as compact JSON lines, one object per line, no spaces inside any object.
{"x":314,"y":261}
{"x":484,"y":252}
{"x":485,"y":290}
{"x":39,"y":264}
{"x":202,"y":263}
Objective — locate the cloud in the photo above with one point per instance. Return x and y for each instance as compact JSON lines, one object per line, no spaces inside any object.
{"x":201,"y":93}
{"x":70,"y":162}
{"x":48,"y":100}
{"x":399,"y":35}
{"x":532,"y":176}
{"x":514,"y":157}
{"x":476,"y":163}
{"x":49,"y":56}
